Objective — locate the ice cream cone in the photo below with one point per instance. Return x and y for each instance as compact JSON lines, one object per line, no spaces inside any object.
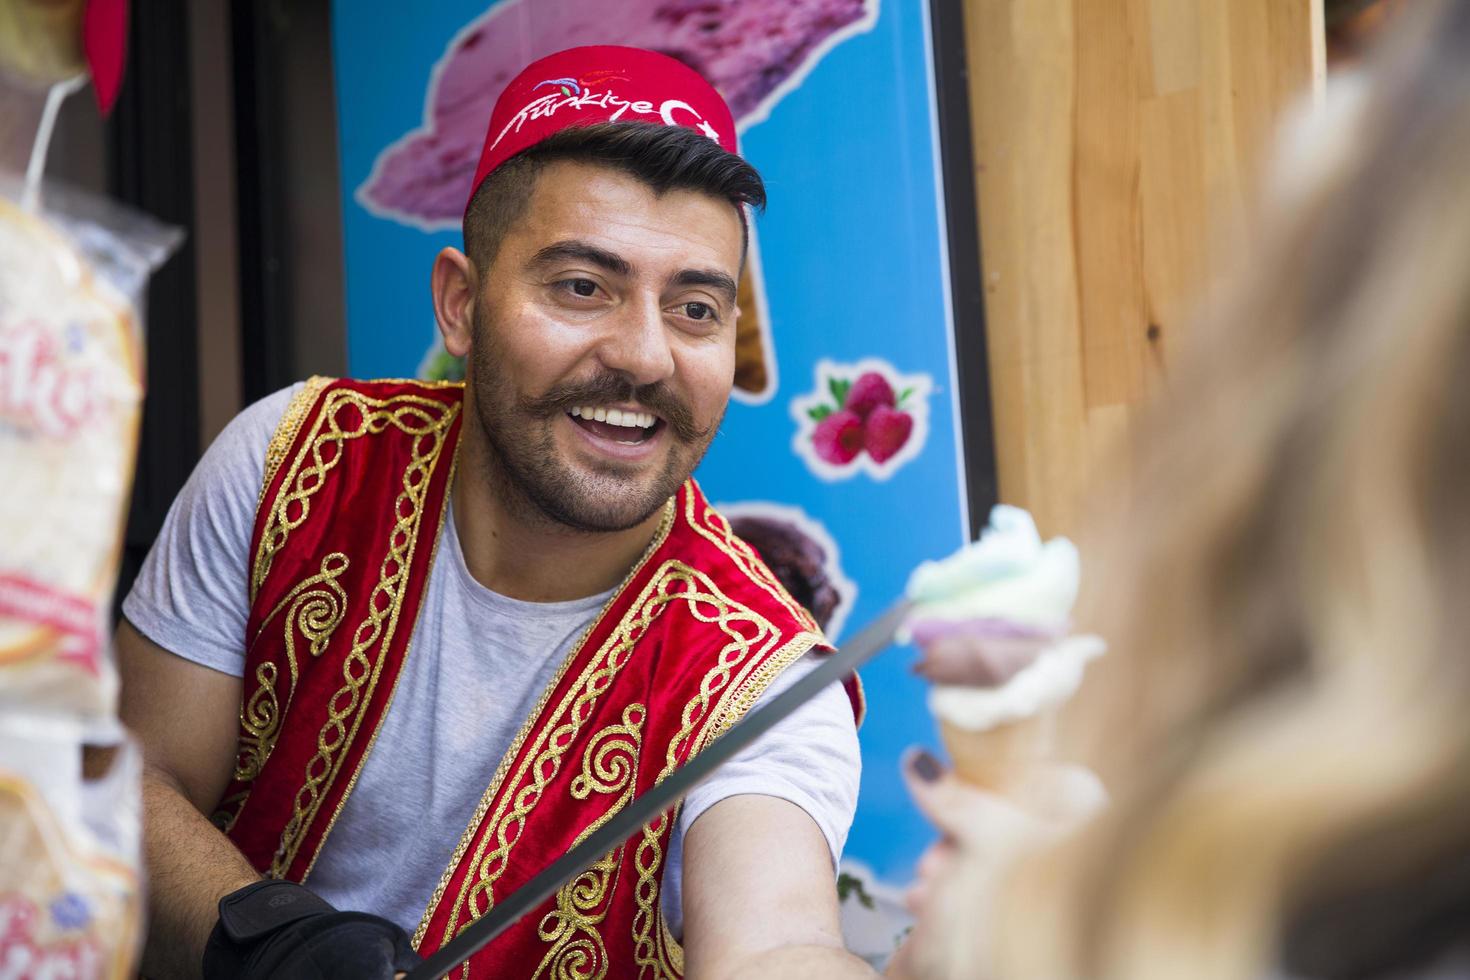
{"x":998,"y":758}
{"x":752,"y":374}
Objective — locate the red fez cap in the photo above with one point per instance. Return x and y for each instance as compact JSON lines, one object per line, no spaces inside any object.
{"x":597,"y":84}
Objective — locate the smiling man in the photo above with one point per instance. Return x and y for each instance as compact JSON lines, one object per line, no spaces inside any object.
{"x":400,"y":645}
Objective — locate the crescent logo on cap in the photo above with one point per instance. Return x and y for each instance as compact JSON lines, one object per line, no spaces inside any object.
{"x":597,"y":84}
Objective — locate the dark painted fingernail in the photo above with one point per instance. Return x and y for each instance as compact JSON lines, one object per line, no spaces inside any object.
{"x":925,"y":766}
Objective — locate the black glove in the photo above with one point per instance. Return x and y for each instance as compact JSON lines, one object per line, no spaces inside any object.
{"x":282,"y":931}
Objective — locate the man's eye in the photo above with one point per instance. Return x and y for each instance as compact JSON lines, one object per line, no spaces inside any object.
{"x":699,"y":311}
{"x":580,"y":287}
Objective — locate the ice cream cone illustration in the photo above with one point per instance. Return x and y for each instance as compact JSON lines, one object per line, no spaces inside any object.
{"x":754,"y":361}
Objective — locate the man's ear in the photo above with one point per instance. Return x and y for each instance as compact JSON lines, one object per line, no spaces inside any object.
{"x":455,"y":283}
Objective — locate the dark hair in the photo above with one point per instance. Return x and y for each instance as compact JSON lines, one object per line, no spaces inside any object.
{"x":663,"y":157}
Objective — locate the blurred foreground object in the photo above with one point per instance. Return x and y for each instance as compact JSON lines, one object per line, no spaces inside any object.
{"x":1284,"y":731}
{"x":70,"y":393}
{"x":71,"y":902}
{"x":71,"y":389}
{"x":1354,"y":25}
{"x":72,"y":274}
{"x":44,"y":42}
{"x":41,"y":41}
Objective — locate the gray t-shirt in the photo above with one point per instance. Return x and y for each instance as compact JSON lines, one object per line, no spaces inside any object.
{"x":477,"y":665}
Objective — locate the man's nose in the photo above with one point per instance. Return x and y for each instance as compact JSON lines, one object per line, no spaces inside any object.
{"x":637,"y":344}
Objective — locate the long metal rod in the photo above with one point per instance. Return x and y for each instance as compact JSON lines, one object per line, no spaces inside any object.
{"x":866,"y":645}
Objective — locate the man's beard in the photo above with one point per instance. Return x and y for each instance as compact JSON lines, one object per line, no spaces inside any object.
{"x":520,"y":434}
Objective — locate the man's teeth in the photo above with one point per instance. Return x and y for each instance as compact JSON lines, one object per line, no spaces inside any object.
{"x":615,"y":416}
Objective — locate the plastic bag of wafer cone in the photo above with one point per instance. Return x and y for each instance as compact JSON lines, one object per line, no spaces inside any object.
{"x":71,"y":387}
{"x":70,"y":885}
{"x":995,"y":623}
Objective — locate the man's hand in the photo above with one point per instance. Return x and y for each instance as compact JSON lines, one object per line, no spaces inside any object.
{"x":186,"y":718}
{"x":760,"y":895}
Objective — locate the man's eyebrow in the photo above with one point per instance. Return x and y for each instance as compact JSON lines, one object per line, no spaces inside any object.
{"x":707,"y":277}
{"x":572,"y":249}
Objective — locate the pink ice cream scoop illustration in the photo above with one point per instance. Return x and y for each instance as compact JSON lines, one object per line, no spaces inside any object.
{"x":752,"y":51}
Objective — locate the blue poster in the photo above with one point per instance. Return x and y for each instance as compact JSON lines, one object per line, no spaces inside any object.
{"x":840,"y":457}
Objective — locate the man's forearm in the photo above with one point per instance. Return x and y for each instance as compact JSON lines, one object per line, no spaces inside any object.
{"x":800,"y":963}
{"x":191,"y":866}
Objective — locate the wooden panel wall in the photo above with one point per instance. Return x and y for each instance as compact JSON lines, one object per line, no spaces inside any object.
{"x":1116,"y":143}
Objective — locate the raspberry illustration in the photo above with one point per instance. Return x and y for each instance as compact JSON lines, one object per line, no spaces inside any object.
{"x":838,"y":437}
{"x":885,"y":432}
{"x":868,"y":392}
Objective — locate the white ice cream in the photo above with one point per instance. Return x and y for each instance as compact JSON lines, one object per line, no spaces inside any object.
{"x":1010,"y":575}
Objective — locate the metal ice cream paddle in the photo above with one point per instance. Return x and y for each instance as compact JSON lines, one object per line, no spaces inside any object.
{"x":867,"y":644}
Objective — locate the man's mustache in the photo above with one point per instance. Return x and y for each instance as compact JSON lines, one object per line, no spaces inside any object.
{"x":609,"y":388}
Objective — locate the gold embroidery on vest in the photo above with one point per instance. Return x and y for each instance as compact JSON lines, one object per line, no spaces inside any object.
{"x":323,"y":450}
{"x":287,"y":427}
{"x":427,"y":421}
{"x":576,"y":707}
{"x":609,"y":765}
{"x":315,"y":608}
{"x":714,"y":528}
{"x":492,"y":792}
{"x":261,"y":719}
{"x":745,"y":696}
{"x":610,"y":761}
{"x":654,"y":946}
{"x":705,"y":603}
{"x":413,"y":627}
{"x":648,"y":857}
{"x":579,"y":952}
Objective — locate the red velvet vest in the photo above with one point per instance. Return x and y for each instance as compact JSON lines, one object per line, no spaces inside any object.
{"x":356,"y":486}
